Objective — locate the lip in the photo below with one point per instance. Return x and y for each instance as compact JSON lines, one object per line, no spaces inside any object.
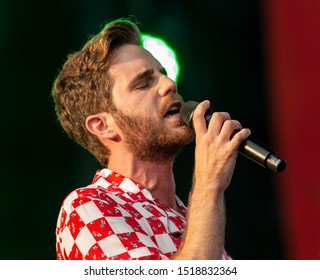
{"x":176,"y":103}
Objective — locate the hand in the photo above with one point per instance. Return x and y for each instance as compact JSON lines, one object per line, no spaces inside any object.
{"x":216,"y":153}
{"x":215,"y":158}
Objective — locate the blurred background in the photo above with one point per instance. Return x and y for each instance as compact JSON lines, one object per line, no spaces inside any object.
{"x":258,"y":60}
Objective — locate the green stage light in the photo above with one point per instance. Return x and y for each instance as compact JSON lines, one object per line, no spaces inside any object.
{"x":163,"y":53}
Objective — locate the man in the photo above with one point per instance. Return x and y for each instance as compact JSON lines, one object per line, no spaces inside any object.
{"x":114,"y":98}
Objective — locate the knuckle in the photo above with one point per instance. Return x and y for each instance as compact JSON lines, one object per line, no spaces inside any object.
{"x":223,"y":116}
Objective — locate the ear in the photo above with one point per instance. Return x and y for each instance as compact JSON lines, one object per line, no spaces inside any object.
{"x":100,"y":125}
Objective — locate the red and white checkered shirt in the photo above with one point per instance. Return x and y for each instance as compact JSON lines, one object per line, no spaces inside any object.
{"x":117,"y":218}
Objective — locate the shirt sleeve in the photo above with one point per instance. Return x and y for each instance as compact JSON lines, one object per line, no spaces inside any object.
{"x":98,"y":229}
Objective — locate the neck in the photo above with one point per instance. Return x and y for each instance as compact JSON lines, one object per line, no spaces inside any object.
{"x":156,"y":177}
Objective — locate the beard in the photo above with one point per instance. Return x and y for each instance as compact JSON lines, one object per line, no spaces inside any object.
{"x":151,"y":139}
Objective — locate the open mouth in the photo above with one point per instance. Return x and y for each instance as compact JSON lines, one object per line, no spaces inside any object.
{"x":173,"y":110}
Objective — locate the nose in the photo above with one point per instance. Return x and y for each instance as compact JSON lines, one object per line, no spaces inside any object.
{"x":166,"y":86}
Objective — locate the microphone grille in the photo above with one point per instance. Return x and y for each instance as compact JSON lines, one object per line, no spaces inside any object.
{"x":186,"y":112}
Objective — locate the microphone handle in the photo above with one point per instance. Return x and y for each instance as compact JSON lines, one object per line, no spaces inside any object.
{"x":256,"y":151}
{"x":262,"y":155}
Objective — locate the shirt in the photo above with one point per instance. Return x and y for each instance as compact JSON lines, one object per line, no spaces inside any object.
{"x":117,"y":218}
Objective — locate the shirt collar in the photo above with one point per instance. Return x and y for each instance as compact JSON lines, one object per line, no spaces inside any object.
{"x":118,"y":184}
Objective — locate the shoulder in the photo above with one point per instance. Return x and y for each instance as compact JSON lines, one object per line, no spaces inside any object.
{"x":87,"y":204}
{"x":91,"y":194}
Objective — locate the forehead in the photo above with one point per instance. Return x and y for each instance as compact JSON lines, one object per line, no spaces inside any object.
{"x":129,"y":60}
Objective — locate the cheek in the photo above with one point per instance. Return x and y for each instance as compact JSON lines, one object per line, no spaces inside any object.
{"x":146,"y":110}
{"x":136,"y":105}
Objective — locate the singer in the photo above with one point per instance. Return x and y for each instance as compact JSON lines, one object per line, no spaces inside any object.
{"x":115,"y":99}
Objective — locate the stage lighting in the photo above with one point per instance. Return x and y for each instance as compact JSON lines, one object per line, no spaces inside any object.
{"x":163,"y":53}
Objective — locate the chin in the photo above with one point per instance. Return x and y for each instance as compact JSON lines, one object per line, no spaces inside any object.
{"x":186,"y":134}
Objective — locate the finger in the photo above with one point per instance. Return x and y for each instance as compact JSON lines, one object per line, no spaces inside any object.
{"x":240,"y":136}
{"x":229,"y":128}
{"x":217,"y":121}
{"x":199,"y":122}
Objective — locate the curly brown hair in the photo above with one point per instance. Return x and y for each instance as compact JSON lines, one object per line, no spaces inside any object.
{"x":82,"y":88}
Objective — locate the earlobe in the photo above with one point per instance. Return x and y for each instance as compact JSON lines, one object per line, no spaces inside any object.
{"x":99,"y":125}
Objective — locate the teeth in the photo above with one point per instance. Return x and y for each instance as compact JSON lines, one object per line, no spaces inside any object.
{"x":173,"y":108}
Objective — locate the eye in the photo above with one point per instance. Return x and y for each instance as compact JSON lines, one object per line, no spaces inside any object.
{"x":145,"y":84}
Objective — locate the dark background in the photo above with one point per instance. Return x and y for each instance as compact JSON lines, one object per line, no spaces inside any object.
{"x":219,"y":45}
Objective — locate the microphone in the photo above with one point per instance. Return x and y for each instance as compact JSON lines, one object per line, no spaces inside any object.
{"x":250,"y":147}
